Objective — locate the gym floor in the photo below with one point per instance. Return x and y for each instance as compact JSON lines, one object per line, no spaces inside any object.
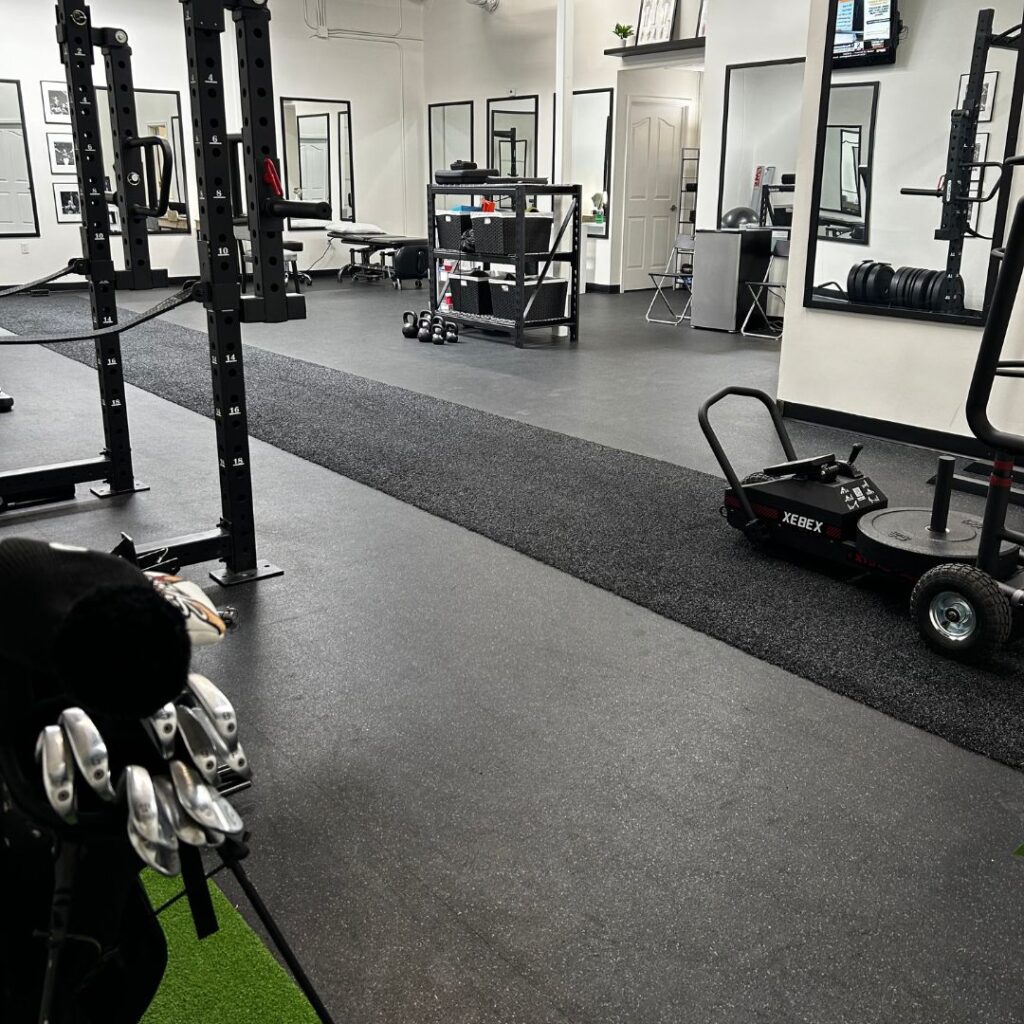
{"x":489,"y":792}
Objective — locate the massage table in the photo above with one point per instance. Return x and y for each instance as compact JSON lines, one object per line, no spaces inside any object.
{"x":402,"y":257}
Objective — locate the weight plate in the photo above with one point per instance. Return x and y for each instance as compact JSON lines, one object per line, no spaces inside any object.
{"x":855,"y":282}
{"x":918,"y":292}
{"x":897,"y":291}
{"x":879,"y":280}
{"x":936,"y":292}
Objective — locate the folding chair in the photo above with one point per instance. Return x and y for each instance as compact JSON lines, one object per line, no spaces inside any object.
{"x":761,"y":294}
{"x":682,"y":247}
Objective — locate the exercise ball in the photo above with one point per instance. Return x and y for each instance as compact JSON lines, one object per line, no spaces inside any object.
{"x":739,"y":217}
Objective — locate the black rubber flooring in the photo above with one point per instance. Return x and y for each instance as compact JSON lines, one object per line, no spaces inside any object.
{"x":640,"y":528}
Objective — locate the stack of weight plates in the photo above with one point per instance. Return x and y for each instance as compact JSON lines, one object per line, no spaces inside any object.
{"x":909,"y":287}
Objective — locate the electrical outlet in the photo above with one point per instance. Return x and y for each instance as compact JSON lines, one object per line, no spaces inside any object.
{"x":24,"y":248}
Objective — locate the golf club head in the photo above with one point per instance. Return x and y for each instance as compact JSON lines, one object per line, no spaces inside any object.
{"x":160,"y":858}
{"x":161,"y":727}
{"x":145,"y":812}
{"x":89,"y":750}
{"x":199,"y":745}
{"x":217,"y":707}
{"x":184,"y":828}
{"x":234,"y":757}
{"x":58,"y":772}
{"x":203,"y":804}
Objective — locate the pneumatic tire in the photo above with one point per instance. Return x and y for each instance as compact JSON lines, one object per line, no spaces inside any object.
{"x":961,"y":612}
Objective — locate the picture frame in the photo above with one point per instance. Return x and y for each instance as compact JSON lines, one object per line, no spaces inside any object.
{"x":988,"y":95}
{"x":656,"y":21}
{"x":68,"y":202}
{"x":702,"y":21}
{"x":56,"y":102}
{"x":60,"y":147}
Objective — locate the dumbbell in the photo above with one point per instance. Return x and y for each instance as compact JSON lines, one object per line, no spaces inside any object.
{"x":410,"y":325}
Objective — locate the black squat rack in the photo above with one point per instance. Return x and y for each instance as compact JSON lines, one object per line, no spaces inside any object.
{"x":571,"y":225}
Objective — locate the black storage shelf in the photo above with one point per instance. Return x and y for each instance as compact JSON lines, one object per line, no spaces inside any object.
{"x":571,"y":228}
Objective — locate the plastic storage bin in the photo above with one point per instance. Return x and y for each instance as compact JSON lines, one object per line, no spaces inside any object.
{"x":549,"y":304}
{"x":496,"y":232}
{"x":450,"y":227}
{"x":470,"y":294}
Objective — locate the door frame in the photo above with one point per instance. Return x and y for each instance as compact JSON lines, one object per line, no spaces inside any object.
{"x":28,"y":163}
{"x":684,"y":104}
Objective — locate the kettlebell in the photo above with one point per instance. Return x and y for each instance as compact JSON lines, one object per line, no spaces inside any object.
{"x":410,"y":325}
{"x":424,"y":333}
{"x":437,"y":326}
{"x":451,"y":332}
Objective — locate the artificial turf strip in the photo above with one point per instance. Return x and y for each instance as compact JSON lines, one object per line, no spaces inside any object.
{"x":645,"y":530}
{"x":228,"y":978}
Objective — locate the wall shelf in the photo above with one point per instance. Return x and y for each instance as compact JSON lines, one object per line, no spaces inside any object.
{"x":672,"y":46}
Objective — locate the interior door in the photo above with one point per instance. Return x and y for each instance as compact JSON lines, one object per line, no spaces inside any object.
{"x":652,"y":189}
{"x":15,"y":189}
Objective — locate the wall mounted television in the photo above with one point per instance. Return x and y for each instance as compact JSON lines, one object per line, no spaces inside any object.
{"x":867,"y":33}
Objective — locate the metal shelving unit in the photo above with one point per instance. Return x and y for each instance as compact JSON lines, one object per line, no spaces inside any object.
{"x":571,"y":225}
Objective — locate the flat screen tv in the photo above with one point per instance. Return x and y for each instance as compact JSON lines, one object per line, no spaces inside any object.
{"x":867,"y":32}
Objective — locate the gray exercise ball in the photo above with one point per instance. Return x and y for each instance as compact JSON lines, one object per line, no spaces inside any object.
{"x":739,"y":218}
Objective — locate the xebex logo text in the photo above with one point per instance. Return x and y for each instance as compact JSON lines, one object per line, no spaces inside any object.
{"x":802,"y":522}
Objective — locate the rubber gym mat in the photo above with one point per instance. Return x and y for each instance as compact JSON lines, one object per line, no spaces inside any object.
{"x":643,"y":529}
{"x":230,"y":977}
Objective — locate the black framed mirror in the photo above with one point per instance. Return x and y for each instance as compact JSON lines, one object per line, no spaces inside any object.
{"x":18,"y":215}
{"x":844,"y":212}
{"x":157,"y":112}
{"x":318,"y":156}
{"x":450,"y":134}
{"x":512,"y":135}
{"x":926,"y":95}
{"x":592,"y":113}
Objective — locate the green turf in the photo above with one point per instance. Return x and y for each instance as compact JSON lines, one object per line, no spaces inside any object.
{"x":229,"y":978}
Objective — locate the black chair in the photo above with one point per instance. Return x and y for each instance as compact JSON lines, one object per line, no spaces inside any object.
{"x":291,"y":259}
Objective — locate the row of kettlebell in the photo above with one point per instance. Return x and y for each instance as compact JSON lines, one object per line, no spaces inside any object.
{"x":427,"y":327}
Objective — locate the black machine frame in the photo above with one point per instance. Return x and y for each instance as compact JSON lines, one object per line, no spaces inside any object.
{"x":28,"y":161}
{"x":957,"y":194}
{"x":729,"y":71}
{"x":494,"y":107}
{"x":431,"y":107}
{"x":331,"y":128}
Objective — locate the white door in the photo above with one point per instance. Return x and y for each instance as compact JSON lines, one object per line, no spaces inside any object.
{"x":15,"y":189}
{"x":652,"y":189}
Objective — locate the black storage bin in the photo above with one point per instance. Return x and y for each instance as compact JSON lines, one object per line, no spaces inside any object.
{"x":496,"y":232}
{"x":470,"y":294}
{"x":450,"y":227}
{"x":549,"y":304}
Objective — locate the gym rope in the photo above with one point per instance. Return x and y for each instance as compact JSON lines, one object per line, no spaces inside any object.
{"x":17,"y":289}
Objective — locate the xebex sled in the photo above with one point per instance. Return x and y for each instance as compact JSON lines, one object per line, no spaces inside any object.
{"x":969,"y":572}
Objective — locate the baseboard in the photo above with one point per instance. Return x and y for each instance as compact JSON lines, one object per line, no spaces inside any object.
{"x":608,"y":289}
{"x":919,"y":437}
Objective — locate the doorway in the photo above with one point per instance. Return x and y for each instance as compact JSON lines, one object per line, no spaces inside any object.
{"x":656,"y":130}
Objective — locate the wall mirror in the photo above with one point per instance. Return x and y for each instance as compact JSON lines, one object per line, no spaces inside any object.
{"x":157,"y":112}
{"x":449,"y":138}
{"x":844,"y":211}
{"x":17,"y":197}
{"x":886,"y":126}
{"x":512,"y":135}
{"x":760,"y":140}
{"x":318,"y":157}
{"x":592,"y":155}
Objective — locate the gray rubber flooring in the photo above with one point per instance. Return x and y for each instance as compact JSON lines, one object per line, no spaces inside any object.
{"x":488,"y":791}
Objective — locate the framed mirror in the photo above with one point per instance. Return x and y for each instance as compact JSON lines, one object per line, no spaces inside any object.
{"x":318,"y":162}
{"x":450,"y":134}
{"x":18,"y":218}
{"x":760,"y":137}
{"x":512,"y":135}
{"x":592,"y":111}
{"x":157,"y":112}
{"x":906,"y":121}
{"x":844,"y":212}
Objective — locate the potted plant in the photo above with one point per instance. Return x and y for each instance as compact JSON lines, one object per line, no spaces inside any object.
{"x":623,"y":32}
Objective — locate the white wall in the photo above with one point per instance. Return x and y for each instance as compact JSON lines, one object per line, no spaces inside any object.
{"x":910,"y":372}
{"x":382,"y":77}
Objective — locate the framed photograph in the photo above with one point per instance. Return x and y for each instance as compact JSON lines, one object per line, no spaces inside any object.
{"x":68,"y":202}
{"x":61,"y":148}
{"x":656,"y":21}
{"x":56,"y":105}
{"x":702,"y":20}
{"x":115,"y":218}
{"x":988,"y":94}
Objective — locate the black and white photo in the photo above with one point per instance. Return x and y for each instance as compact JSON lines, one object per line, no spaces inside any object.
{"x":68,"y":202}
{"x":61,"y":150}
{"x":56,"y":105}
{"x":988,"y":94}
{"x":656,"y":21}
